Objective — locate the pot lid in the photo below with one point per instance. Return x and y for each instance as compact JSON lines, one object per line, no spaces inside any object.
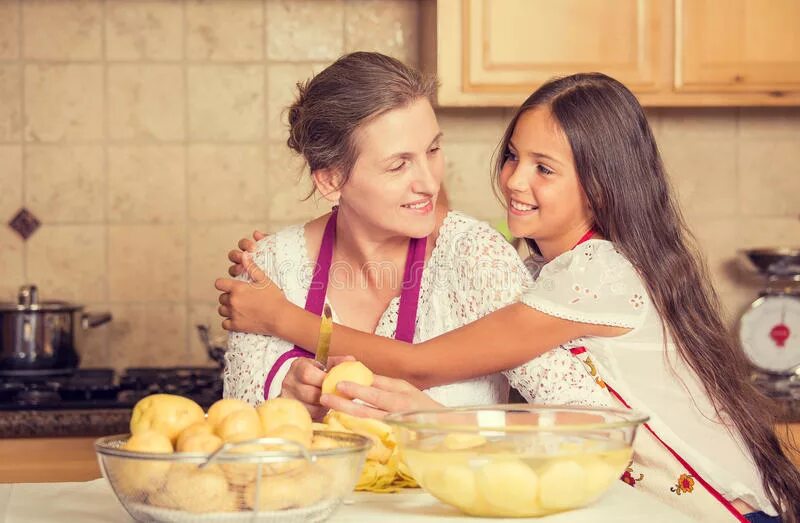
{"x":28,"y":301}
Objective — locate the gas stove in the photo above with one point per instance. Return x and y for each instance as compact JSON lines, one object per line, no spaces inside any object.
{"x":105,"y":389}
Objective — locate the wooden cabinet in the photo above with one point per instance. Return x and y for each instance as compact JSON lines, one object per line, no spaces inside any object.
{"x":669,"y":52}
{"x":35,"y":460}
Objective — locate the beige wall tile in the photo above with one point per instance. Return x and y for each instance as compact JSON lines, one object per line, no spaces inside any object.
{"x":734,"y":303}
{"x":93,"y":346}
{"x":718,"y":240}
{"x":769,"y":232}
{"x":63,"y":102}
{"x":204,"y":314}
{"x":146,"y":263}
{"x":289,"y":184}
{"x":386,"y":26}
{"x":472,"y":125}
{"x":208,"y":256}
{"x":9,"y":29}
{"x":146,"y":184}
{"x":222,"y":30}
{"x":152,"y":335}
{"x":57,"y":30}
{"x":10,"y":102}
{"x":10,"y":181}
{"x":769,"y":176}
{"x":12,"y":269}
{"x":717,"y":122}
{"x":305,"y":29}
{"x":704,"y":173}
{"x":769,"y":122}
{"x":65,"y":184}
{"x":281,"y":92}
{"x":468,"y":181}
{"x":68,"y":262}
{"x":226,"y":102}
{"x":146,"y":101}
{"x":144,"y":30}
{"x":227,"y":183}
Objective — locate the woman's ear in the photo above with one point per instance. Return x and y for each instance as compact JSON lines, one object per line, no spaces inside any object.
{"x":328,"y":182}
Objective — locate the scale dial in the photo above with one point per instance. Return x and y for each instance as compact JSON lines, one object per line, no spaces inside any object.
{"x":770,"y":333}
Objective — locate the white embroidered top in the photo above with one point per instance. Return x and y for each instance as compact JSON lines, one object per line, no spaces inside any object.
{"x":471,"y":272}
{"x":594,"y":283}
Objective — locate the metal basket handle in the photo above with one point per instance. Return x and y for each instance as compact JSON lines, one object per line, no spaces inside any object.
{"x":301,"y":449}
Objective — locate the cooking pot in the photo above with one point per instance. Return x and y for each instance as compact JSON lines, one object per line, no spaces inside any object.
{"x":42,"y":338}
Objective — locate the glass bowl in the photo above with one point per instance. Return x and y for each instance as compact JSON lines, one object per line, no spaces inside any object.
{"x":264,"y":480}
{"x":516,"y":460}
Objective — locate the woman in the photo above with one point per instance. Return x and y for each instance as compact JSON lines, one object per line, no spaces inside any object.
{"x":619,"y":287}
{"x":388,"y":260}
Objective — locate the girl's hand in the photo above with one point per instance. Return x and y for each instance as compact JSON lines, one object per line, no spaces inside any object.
{"x":244,"y":245}
{"x":304,"y":380}
{"x":250,"y":306}
{"x":384,"y":396}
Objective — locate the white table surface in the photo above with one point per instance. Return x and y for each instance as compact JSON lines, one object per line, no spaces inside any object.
{"x":93,"y":501}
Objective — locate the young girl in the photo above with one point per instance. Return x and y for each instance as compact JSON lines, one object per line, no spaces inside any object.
{"x":388,"y":259}
{"x":620,"y":287}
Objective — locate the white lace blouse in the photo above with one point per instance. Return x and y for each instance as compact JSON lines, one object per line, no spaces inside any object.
{"x":471,"y":272}
{"x":594,"y":283}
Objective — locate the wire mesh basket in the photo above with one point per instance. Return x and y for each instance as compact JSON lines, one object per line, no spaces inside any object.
{"x":263,"y":480}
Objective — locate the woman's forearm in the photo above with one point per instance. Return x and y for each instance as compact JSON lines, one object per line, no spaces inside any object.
{"x":501,"y":340}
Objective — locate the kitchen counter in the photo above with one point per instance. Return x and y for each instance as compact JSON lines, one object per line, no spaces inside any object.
{"x":61,"y":423}
{"x":93,"y":501}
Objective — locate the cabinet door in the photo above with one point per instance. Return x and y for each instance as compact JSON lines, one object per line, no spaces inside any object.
{"x":737,"y":46}
{"x":503,"y":50}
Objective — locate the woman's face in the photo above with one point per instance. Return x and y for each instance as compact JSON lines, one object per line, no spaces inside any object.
{"x":396,"y":178}
{"x":539,"y":181}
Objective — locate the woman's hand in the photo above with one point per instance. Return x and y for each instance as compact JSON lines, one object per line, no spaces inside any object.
{"x":245,"y":245}
{"x":250,"y":306}
{"x":384,"y":396}
{"x":304,"y":380}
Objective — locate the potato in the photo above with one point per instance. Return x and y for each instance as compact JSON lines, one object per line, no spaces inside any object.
{"x":277,"y":412}
{"x":240,"y":474}
{"x":463,"y":441}
{"x":562,"y":485}
{"x":273,"y":493}
{"x":221,"y":408}
{"x":354,"y":371}
{"x":599,"y":475}
{"x":204,"y":443}
{"x":139,"y":477}
{"x":202,"y":427}
{"x":240,"y":425}
{"x":165,"y":413}
{"x":509,"y":486}
{"x":197,"y":490}
{"x":453,"y":484}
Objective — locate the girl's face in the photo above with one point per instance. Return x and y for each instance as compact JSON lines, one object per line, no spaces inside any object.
{"x":539,"y":181}
{"x":396,"y":178}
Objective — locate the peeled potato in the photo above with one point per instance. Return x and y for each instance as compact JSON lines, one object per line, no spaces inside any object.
{"x":562,"y":485}
{"x":138,"y":477}
{"x":202,"y":427}
{"x":510,"y":486}
{"x":221,"y":408}
{"x":599,"y":475}
{"x":459,"y":441}
{"x":354,"y":371}
{"x":277,"y":412}
{"x":204,"y":443}
{"x":453,"y":484}
{"x":240,"y":425}
{"x":165,"y":413}
{"x":198,"y":490}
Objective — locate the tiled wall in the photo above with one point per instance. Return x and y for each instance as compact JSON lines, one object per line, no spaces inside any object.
{"x":147,"y":137}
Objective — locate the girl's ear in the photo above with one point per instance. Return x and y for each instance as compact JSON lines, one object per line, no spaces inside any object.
{"x":328,"y":183}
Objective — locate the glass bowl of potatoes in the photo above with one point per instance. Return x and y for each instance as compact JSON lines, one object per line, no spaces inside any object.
{"x":516,"y":460}
{"x":269,"y":479}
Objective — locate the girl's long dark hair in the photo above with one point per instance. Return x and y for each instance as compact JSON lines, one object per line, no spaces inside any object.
{"x":621,"y":172}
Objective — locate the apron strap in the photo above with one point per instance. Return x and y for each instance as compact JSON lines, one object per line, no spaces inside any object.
{"x":409,"y":295}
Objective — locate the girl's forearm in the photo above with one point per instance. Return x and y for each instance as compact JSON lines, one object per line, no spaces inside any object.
{"x":501,"y":340}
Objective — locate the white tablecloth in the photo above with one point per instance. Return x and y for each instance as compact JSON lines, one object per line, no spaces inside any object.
{"x":93,"y":501}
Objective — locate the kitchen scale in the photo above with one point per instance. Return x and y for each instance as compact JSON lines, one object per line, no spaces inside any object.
{"x":769,"y":330}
